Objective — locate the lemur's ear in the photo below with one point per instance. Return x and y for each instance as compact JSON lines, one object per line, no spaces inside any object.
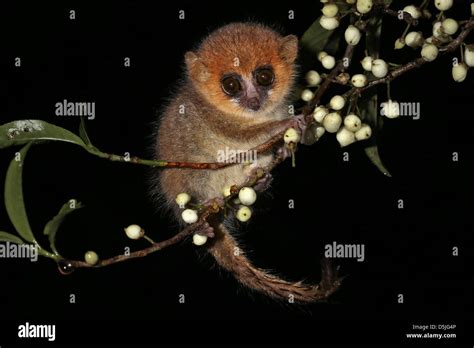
{"x":196,"y":68}
{"x":289,"y":48}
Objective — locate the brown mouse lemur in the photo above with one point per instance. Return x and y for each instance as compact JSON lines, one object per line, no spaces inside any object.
{"x":234,"y":96}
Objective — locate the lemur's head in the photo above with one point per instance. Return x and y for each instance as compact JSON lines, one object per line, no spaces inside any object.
{"x":244,"y":69}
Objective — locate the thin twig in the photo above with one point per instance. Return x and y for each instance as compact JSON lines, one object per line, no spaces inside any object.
{"x":405,"y":16}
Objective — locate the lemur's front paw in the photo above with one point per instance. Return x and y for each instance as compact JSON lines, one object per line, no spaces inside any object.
{"x":206,"y":230}
{"x":263,"y":183}
{"x":300,"y":124}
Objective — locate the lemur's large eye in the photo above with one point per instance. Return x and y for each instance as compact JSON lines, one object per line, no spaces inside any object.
{"x":231,"y":85}
{"x":264,"y":77}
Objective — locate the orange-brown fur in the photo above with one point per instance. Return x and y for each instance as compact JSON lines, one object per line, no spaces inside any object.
{"x":211,"y":122}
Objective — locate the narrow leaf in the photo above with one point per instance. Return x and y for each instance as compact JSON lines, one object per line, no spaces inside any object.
{"x":51,"y":228}
{"x":315,"y":38}
{"x":373,"y":153}
{"x":14,"y":202}
{"x":23,"y":131}
{"x":369,"y":102}
{"x":83,"y":132}
{"x":7,"y":237}
{"x":373,"y":34}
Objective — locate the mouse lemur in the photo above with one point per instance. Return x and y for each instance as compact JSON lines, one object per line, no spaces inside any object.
{"x":234,"y":95}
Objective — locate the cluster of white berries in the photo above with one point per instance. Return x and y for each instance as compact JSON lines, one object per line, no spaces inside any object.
{"x":351,"y":128}
{"x":190,"y":216}
{"x":313,"y":78}
{"x":378,"y":67}
{"x":442,"y":31}
{"x":330,"y":18}
{"x":246,"y":197}
{"x":459,"y":71}
{"x":348,"y":131}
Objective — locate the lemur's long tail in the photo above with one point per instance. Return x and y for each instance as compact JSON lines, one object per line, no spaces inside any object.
{"x":225,"y":250}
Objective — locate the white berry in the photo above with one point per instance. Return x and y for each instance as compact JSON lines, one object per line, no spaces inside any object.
{"x":367,"y":63}
{"x":319,"y":113}
{"x":313,"y":78}
{"x":134,"y":232}
{"x":328,"y":23}
{"x":182,"y":199}
{"x":291,"y":136}
{"x":399,"y":43}
{"x":345,"y":137}
{"x":443,"y":5}
{"x":414,"y":39}
{"x":359,"y":80}
{"x":307,"y":95}
{"x":247,"y":195}
{"x":189,"y":216}
{"x":459,"y":72}
{"x":365,"y":132}
{"x":244,"y":214}
{"x":199,"y":239}
{"x":352,"y":35}
{"x":450,"y":26}
{"x":330,"y":10}
{"x":321,"y":55}
{"x":328,"y":61}
{"x":413,"y":11}
{"x":379,"y":68}
{"x":337,"y":102}
{"x":364,"y":6}
{"x":332,"y":122}
{"x":429,"y":52}
{"x":390,"y":109}
{"x":91,"y":258}
{"x":352,"y":122}
{"x":319,"y":132}
{"x":469,"y":56}
{"x":437,"y":32}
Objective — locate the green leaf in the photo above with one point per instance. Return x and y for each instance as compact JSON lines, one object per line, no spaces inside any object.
{"x":369,"y":102}
{"x":23,"y":131}
{"x":14,"y":202}
{"x":373,"y":34}
{"x":7,"y":237}
{"x":51,"y":228}
{"x":373,"y":153}
{"x":334,"y":42}
{"x":83,"y":132}
{"x":315,"y":38}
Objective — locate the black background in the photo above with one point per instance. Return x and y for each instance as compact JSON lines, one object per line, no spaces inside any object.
{"x":408,"y":251}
